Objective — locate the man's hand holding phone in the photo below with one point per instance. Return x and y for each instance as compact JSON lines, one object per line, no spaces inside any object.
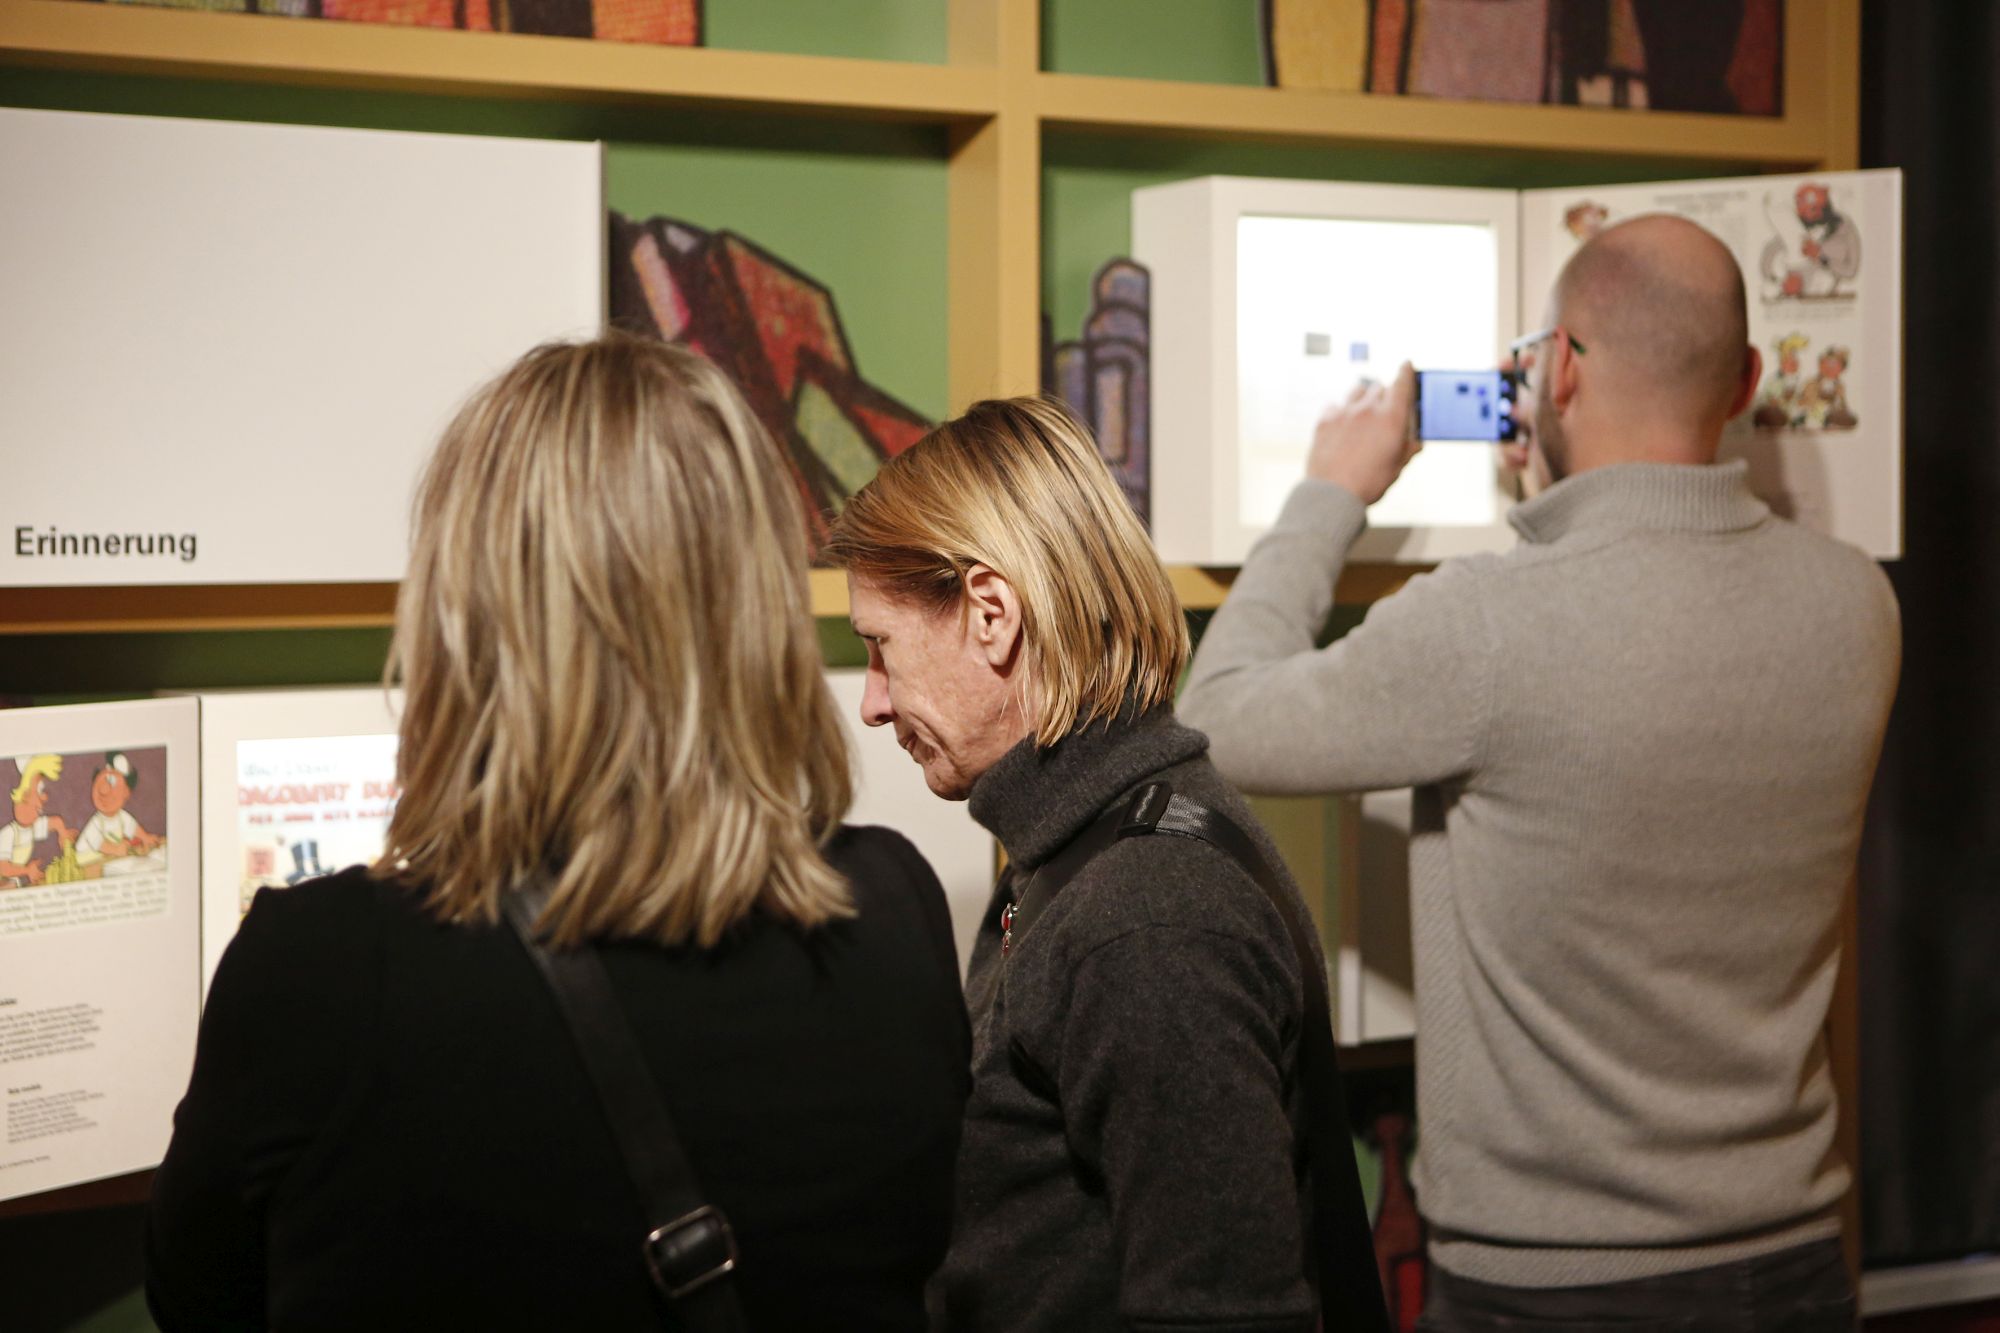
{"x":1364,"y":443}
{"x":1514,"y":453}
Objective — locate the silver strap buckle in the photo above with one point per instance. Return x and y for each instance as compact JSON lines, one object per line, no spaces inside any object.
{"x":690,"y":1252}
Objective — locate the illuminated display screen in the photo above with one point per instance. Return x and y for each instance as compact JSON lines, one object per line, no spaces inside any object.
{"x":1324,"y":302}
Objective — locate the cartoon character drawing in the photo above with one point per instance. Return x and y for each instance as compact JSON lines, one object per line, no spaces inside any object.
{"x":1823,"y":401}
{"x":113,"y":832}
{"x":32,"y":822}
{"x":1778,"y":402}
{"x":1829,"y":250}
{"x":1585,"y":220}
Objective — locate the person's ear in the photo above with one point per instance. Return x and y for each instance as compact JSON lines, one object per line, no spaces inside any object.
{"x":993,"y":615}
{"x":1560,"y":382}
{"x":1746,"y":388}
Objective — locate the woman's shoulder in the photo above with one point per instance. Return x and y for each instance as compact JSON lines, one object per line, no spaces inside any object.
{"x":892,"y":880}
{"x":885,"y":868}
{"x":309,"y":937}
{"x":326,"y":910}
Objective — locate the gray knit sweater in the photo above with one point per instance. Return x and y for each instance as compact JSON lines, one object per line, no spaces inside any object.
{"x":1130,"y":1145}
{"x":1642,"y":742}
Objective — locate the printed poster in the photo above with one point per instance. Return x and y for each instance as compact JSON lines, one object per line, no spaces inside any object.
{"x":99,"y":937}
{"x":1822,"y":270}
{"x":295,"y":784}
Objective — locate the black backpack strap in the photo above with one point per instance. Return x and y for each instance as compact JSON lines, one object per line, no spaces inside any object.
{"x":690,"y":1250}
{"x":1349,"y":1280}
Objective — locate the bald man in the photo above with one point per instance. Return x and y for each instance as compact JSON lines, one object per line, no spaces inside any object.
{"x":1641,"y":744}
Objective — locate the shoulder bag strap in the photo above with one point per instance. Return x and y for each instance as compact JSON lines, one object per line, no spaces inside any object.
{"x":1349,"y":1280}
{"x":691,"y":1250}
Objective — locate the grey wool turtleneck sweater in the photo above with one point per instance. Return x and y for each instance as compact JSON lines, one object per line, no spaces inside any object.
{"x":1641,"y":743}
{"x":1130,"y":1148}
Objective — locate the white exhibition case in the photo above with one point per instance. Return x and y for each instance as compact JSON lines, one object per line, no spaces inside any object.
{"x":100,"y":937}
{"x":1271,"y":298}
{"x":227,"y":348}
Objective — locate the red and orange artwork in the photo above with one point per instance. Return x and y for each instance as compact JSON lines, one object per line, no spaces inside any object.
{"x":776,"y":332}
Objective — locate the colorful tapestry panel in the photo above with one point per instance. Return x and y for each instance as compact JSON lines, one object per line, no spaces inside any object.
{"x":1717,"y":56}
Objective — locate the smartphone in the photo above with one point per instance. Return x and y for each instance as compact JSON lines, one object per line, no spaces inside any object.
{"x":1473,"y":405}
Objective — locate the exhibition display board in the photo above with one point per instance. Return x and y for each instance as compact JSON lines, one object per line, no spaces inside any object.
{"x":100,"y":937}
{"x":294,"y":783}
{"x":1272,"y":298}
{"x":120,"y":891}
{"x":889,"y":790}
{"x":229,"y":347}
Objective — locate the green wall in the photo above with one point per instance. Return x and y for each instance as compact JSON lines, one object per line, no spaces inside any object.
{"x":863,"y":29}
{"x":1201,"y":41}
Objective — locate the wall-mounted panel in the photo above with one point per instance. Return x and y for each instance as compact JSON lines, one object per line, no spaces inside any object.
{"x":226,"y":349}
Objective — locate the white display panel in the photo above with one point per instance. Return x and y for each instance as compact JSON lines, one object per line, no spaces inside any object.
{"x":295,"y":783}
{"x":1270,"y":298}
{"x":1822,"y":261}
{"x":226,"y":349}
{"x":889,"y":790}
{"x":1323,"y":303}
{"x":100,"y":937}
{"x":1376,"y":972}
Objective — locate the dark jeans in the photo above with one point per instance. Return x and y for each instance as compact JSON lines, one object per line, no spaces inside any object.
{"x":1802,"y":1290}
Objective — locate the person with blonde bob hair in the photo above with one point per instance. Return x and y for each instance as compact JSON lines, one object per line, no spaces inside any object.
{"x":613,"y":702}
{"x":1136,"y":1145}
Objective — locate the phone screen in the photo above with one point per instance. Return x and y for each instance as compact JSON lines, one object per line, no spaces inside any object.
{"x":1465,"y":405}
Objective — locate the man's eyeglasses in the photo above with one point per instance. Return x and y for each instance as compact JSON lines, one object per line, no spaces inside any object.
{"x":1529,"y":340}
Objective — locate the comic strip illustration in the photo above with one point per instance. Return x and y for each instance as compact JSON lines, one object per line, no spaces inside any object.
{"x":1814,"y":249}
{"x":84,"y":816}
{"x":1792,"y":399}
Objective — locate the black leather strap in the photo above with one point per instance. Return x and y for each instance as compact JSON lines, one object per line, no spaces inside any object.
{"x":1349,"y":1281}
{"x":690,"y":1249}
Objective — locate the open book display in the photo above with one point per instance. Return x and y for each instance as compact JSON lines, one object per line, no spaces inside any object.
{"x":1271,"y":298}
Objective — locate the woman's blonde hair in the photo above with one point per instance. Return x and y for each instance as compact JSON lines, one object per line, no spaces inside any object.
{"x":1017,"y":485}
{"x":609,"y":664}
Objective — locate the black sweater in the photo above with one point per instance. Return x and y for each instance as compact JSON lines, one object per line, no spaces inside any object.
{"x":388,"y":1126}
{"x":1132,"y":1143}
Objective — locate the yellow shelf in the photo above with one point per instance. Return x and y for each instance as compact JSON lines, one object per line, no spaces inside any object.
{"x":1216,"y":111}
{"x":122,"y":38}
{"x":132,"y":609}
{"x":138,"y":609}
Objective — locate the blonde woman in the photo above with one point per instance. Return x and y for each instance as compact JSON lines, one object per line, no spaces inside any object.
{"x":1140,"y":1150}
{"x":612,"y":681}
